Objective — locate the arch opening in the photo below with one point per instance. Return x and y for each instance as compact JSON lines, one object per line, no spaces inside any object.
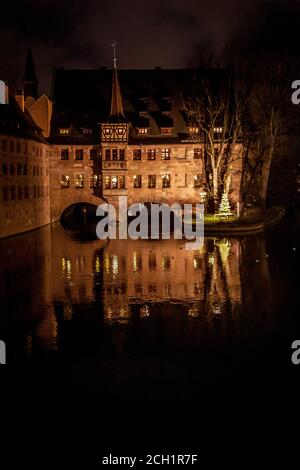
{"x":79,"y":215}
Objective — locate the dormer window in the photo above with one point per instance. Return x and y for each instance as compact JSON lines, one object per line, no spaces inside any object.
{"x":86,"y":130}
{"x":142,"y":130}
{"x":194,"y":130}
{"x":64,"y":130}
{"x":107,"y":131}
{"x":166,"y":130}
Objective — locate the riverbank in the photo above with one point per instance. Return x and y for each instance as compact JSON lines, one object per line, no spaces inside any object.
{"x":252,"y":222}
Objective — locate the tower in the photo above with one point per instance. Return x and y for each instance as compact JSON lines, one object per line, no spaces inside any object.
{"x":116,"y":128}
{"x":114,"y":140}
{"x":30,"y":81}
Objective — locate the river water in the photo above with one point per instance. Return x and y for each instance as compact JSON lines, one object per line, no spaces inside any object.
{"x":147,"y":339}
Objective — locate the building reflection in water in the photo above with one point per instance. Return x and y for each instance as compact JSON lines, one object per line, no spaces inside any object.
{"x":49,"y":278}
{"x":145,"y":271}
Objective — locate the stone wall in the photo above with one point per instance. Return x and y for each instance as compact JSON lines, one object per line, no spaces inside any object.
{"x":182,"y":168}
{"x":24,"y":181}
{"x":35,"y":192}
{"x":62,"y":197}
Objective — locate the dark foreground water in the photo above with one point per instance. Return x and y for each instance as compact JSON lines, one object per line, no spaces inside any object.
{"x":129,"y":346}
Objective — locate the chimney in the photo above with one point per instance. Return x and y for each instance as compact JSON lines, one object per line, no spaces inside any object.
{"x":4,"y":92}
{"x":20,"y":99}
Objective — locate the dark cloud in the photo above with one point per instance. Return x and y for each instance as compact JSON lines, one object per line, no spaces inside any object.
{"x":169,"y":33}
{"x":47,"y":21}
{"x":178,"y":16}
{"x":274,"y":31}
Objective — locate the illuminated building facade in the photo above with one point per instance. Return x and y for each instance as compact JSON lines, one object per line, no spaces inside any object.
{"x":109,"y":133}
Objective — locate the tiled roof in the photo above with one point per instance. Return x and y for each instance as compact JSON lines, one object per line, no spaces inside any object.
{"x":15,"y":122}
{"x":82,"y":98}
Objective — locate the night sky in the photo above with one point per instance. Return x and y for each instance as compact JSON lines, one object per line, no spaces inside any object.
{"x":78,"y":33}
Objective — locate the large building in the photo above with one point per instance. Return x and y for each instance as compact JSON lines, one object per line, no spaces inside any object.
{"x":107,"y":133}
{"x":24,"y":160}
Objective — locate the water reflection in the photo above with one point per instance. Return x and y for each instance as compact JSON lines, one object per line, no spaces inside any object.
{"x":51,"y":277}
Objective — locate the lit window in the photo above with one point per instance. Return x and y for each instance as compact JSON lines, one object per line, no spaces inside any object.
{"x":194,"y":130}
{"x":137,"y":181}
{"x":78,"y":154}
{"x":197,"y":153}
{"x":64,"y":130}
{"x":114,"y":182}
{"x":64,"y":181}
{"x":137,"y":154}
{"x":142,"y":130}
{"x":166,"y":130}
{"x":218,"y":130}
{"x":94,"y":181}
{"x":166,"y":180}
{"x":122,"y":182}
{"x":152,"y":181}
{"x":79,"y":181}
{"x":107,"y":182}
{"x":165,"y":154}
{"x":151,"y":154}
{"x":120,"y":130}
{"x":197,"y":181}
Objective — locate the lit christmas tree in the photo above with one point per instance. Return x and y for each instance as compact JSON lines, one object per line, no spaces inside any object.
{"x":224,"y":207}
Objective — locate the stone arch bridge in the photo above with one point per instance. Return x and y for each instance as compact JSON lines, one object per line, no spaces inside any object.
{"x":62,"y":203}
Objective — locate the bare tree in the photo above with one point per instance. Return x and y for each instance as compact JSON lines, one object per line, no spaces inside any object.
{"x":216,"y":110}
{"x":268,"y":101}
{"x":269,"y":117}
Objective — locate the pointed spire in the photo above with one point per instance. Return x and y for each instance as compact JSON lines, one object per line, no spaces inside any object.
{"x":116,"y":106}
{"x":30,"y":81}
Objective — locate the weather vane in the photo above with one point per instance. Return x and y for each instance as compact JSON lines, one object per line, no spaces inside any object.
{"x":114,"y":46}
